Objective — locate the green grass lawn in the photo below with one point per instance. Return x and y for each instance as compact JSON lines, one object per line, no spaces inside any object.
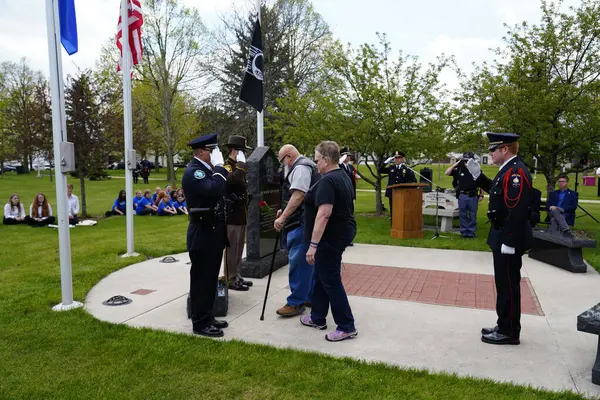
{"x":70,"y":355}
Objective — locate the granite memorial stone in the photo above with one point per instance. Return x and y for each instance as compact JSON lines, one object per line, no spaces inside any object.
{"x":589,"y":321}
{"x":264,"y":189}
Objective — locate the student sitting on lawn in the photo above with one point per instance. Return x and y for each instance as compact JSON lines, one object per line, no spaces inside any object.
{"x":155,"y":194}
{"x":181,"y":206}
{"x":145,"y":206}
{"x":14,"y":211}
{"x":138,"y":197}
{"x":165,"y":208}
{"x":40,"y":211}
{"x":119,"y":206}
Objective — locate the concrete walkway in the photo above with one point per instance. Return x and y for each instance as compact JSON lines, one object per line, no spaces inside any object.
{"x":408,"y":333}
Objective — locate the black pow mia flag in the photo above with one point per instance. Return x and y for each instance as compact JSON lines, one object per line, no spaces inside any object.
{"x":252,"y":85}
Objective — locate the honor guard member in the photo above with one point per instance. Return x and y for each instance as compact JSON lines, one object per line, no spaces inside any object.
{"x":236,"y":195}
{"x":347,"y":167}
{"x":204,"y":186}
{"x":398,"y":173}
{"x":467,"y":194}
{"x":510,"y":231}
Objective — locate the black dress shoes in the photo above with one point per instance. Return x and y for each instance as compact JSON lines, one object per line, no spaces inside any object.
{"x":220,"y":324}
{"x":487,"y":331}
{"x":247,"y":283}
{"x":498,"y":338}
{"x":239,"y":286}
{"x":209,"y":331}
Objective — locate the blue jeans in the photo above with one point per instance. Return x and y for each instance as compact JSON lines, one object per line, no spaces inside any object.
{"x":301,"y":273}
{"x":467,"y":208}
{"x":329,"y":289}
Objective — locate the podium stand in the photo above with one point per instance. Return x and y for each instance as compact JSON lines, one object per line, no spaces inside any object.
{"x":407,"y":217}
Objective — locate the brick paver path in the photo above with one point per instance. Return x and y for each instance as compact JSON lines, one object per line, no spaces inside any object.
{"x":434,"y":287}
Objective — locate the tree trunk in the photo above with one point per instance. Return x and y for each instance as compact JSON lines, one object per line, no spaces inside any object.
{"x":83,"y":203}
{"x":378,"y":197}
{"x":156,"y":161}
{"x":25,"y":163}
{"x":170,"y":150}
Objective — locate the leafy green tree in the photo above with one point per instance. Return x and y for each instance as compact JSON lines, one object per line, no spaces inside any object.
{"x":545,"y":86}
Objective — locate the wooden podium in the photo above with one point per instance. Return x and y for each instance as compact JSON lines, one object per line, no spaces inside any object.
{"x":407,"y":217}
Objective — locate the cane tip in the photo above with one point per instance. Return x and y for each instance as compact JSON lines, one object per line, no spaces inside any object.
{"x":262,"y":317}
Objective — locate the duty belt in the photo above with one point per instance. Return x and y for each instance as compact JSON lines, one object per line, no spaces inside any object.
{"x":470,"y":193}
{"x":202,"y":215}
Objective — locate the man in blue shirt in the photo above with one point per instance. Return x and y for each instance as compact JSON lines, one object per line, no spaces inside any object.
{"x":561,"y":206}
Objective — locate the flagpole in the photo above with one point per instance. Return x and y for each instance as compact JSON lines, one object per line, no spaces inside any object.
{"x":127,"y":119}
{"x":260,"y":123}
{"x":59,"y":135}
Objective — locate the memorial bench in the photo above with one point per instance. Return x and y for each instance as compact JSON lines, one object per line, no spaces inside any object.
{"x":554,"y":249}
{"x":589,"y":321}
{"x":446,"y":215}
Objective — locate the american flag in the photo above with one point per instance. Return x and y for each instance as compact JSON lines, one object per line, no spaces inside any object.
{"x":135,"y":32}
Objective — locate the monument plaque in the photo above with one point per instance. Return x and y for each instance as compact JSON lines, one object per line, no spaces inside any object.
{"x":264,"y":188}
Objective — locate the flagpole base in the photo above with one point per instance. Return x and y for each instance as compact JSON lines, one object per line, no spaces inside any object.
{"x":134,"y":254}
{"x":72,"y":306}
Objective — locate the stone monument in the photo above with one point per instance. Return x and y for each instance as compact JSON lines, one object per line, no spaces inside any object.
{"x":264,"y":189}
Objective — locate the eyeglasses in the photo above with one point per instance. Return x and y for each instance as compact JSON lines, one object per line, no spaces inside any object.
{"x":283,"y":159}
{"x":562,"y":181}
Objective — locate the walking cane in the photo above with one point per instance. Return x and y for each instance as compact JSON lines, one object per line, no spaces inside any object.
{"x":262,"y":316}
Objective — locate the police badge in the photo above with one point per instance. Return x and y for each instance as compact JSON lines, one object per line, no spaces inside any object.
{"x":515,"y":180}
{"x":199,"y":174}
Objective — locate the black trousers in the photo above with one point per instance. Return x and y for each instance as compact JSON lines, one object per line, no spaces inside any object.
{"x":507,"y":274}
{"x":204,"y":275}
{"x":12,"y":221}
{"x":47,"y":221}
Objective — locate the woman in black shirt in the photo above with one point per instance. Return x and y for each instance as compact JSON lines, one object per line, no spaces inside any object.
{"x":329,"y":227}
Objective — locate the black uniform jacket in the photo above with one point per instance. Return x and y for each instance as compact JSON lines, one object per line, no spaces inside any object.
{"x":509,"y":208}
{"x":236,"y":192}
{"x":204,"y":189}
{"x":397,"y":174}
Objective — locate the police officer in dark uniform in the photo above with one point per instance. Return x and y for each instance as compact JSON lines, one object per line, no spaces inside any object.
{"x":398,"y":173}
{"x":347,"y":167}
{"x":236,"y":195}
{"x":204,"y":186}
{"x":510,"y":232}
{"x":467,"y":194}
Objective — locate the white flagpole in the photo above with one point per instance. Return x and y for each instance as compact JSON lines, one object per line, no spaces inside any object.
{"x":260,"y":123}
{"x":59,"y":135}
{"x":127,"y":119}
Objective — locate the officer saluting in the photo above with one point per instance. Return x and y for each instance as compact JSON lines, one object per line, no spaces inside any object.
{"x":510,"y":232}
{"x":398,"y":173}
{"x":204,"y":185}
{"x":467,"y":194}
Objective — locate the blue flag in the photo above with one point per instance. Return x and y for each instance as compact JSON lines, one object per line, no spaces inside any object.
{"x":68,"y":25}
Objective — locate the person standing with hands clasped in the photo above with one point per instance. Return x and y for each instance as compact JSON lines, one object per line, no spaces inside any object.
{"x":330,"y":228}
{"x":510,"y":231}
{"x":204,"y":186}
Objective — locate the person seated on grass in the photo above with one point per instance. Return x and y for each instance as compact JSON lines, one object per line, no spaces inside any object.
{"x":145,"y":206}
{"x":561,"y":207}
{"x":181,"y":205}
{"x":138,"y":197}
{"x":40,"y":211}
{"x":119,"y":206}
{"x":73,"y":202}
{"x":165,"y":208}
{"x":14,"y":211}
{"x":155,"y":194}
{"x":159,"y":198}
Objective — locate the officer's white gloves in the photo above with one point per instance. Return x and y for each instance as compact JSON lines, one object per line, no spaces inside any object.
{"x":389,"y":160}
{"x":474,"y":168}
{"x":343,"y":158}
{"x":507,"y":250}
{"x":240,"y":157}
{"x":598,"y":172}
{"x":216,"y":157}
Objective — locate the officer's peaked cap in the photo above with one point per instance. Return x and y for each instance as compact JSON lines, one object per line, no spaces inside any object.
{"x":468,"y":154}
{"x":206,"y":141}
{"x":498,"y":139}
{"x":344,"y":150}
{"x":399,"y":154}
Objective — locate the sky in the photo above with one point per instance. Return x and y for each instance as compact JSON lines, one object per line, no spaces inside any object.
{"x":467,"y":29}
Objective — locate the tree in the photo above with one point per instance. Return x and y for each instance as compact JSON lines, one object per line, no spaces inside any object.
{"x":371,"y":103}
{"x":295,"y":38}
{"x":85,"y":129}
{"x":25,"y":118}
{"x":548,"y":88}
{"x":173,"y":40}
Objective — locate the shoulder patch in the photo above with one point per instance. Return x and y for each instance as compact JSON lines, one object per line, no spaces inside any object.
{"x":199,"y":174}
{"x":228,"y":167}
{"x":515,"y":180}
